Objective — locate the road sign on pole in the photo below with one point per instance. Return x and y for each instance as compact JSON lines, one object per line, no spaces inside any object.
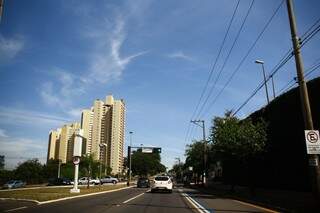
{"x":312,"y":141}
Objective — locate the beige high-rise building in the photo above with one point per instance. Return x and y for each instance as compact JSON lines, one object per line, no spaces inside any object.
{"x":53,"y":144}
{"x":105,"y":123}
{"x":103,"y":134}
{"x":66,"y":142}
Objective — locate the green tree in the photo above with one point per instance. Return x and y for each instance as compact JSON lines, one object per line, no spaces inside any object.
{"x":195,"y":158}
{"x":50,"y":170}
{"x":144,"y":164}
{"x":30,"y":171}
{"x":1,"y":162}
{"x":89,"y":167}
{"x":236,"y":142}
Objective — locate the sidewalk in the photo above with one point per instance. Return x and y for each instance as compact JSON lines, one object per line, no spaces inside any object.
{"x":281,"y":200}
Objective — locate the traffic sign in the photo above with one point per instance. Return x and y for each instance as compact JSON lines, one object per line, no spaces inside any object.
{"x":76,"y":160}
{"x":312,"y":141}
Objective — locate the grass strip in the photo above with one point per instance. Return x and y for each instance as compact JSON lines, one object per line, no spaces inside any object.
{"x":45,"y":194}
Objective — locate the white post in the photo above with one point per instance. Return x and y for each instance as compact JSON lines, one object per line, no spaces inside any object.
{"x":75,"y":185}
{"x":77,"y":149}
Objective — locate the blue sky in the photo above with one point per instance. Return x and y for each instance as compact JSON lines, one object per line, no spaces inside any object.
{"x":57,"y":57}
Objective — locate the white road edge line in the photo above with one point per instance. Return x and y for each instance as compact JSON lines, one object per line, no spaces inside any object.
{"x":11,"y":210}
{"x":133,"y":198}
{"x":195,"y":204}
{"x":83,"y":195}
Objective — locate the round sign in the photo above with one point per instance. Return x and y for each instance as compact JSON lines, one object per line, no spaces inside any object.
{"x":76,"y":160}
{"x":312,"y":137}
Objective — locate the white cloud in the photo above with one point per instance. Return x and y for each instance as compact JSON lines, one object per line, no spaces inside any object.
{"x":10,"y":47}
{"x":3,"y":133}
{"x":18,"y":150}
{"x":107,"y":63}
{"x":14,"y":116}
{"x":180,"y":55}
{"x":64,"y":90}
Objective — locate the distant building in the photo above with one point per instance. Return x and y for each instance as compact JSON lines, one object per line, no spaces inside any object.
{"x":103,"y":126}
{"x":61,"y":141}
{"x":53,"y":144}
{"x":103,"y":134}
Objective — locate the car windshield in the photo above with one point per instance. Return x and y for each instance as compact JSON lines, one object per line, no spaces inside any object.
{"x":10,"y":182}
{"x":161,"y":178}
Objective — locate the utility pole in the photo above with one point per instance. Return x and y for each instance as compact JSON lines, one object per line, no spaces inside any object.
{"x":314,"y":166}
{"x":129,"y":159}
{"x":1,"y":9}
{"x":196,"y":122}
{"x":59,"y":168}
{"x":273,"y":90}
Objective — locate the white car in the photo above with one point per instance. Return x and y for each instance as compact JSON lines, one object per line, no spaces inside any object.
{"x":84,"y":181}
{"x":162,"y":183}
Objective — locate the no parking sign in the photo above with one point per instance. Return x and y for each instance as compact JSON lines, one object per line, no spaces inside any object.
{"x":312,"y":141}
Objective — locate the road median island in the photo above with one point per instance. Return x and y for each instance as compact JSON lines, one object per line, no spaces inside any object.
{"x":44,"y":195}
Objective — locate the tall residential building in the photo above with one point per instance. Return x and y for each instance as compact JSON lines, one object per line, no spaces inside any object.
{"x":53,"y":144}
{"x":66,"y":142}
{"x":103,"y":127}
{"x":103,"y":134}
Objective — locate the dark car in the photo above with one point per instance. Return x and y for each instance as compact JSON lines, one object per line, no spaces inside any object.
{"x":143,"y":182}
{"x":59,"y":181}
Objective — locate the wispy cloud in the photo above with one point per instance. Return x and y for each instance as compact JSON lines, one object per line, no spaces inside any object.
{"x":61,"y":93}
{"x":18,"y":150}
{"x":107,"y":63}
{"x":3,"y":133}
{"x":10,"y":115}
{"x":10,"y":47}
{"x":180,"y":55}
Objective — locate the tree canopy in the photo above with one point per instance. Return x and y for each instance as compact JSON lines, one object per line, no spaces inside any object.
{"x":239,"y":138}
{"x":144,"y":164}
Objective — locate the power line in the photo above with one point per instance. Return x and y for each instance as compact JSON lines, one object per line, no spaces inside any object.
{"x":226,"y":59}
{"x":214,"y":64}
{"x":307,"y":37}
{"x":244,"y":58}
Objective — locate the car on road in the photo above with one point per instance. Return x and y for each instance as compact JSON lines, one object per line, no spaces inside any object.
{"x":59,"y":181}
{"x":109,"y":179}
{"x":162,"y":183}
{"x":92,"y":181}
{"x":143,"y":182}
{"x":12,"y":184}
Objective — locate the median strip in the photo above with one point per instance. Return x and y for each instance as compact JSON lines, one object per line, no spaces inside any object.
{"x":49,"y":195}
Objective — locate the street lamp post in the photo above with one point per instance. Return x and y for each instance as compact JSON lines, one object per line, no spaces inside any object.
{"x":129,"y":158}
{"x":264,"y":77}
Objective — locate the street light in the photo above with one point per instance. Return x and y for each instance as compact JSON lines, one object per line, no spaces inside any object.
{"x":264,"y":77}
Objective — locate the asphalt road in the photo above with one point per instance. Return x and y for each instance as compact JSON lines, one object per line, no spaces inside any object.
{"x":139,"y":200}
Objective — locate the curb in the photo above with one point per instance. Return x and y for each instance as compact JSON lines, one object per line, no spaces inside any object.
{"x":66,"y":198}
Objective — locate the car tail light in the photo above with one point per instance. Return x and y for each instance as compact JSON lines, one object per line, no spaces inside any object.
{"x":169,"y":181}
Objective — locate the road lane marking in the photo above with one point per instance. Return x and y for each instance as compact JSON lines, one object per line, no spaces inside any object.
{"x":11,"y":210}
{"x":133,"y":198}
{"x":195,"y":204}
{"x":258,"y":207}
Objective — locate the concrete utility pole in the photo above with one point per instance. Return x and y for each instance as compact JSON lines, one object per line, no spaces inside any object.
{"x":196,"y":122}
{"x":129,"y":158}
{"x":264,"y":77}
{"x":313,"y":159}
